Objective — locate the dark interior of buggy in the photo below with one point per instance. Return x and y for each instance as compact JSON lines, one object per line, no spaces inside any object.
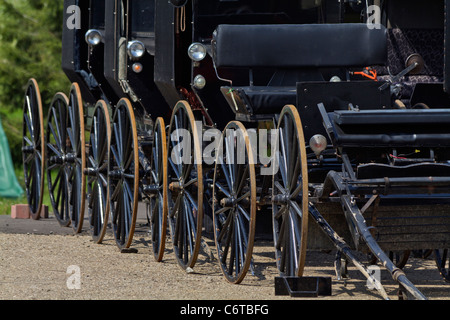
{"x":414,"y":33}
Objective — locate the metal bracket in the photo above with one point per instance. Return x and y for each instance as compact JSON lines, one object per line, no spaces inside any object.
{"x":303,"y":287}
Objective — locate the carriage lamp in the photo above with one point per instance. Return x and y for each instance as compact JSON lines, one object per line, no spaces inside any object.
{"x":318,"y":144}
{"x":94,"y":37}
{"x":197,"y":52}
{"x":199,"y":82}
{"x":136,"y":49}
{"x":137,"y":67}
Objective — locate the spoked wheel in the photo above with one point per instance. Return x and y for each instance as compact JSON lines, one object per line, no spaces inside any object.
{"x":443,"y":263}
{"x":97,"y":171}
{"x":158,"y":182}
{"x":123,"y":174}
{"x":76,"y":158}
{"x":185,"y":179}
{"x":234,"y":213}
{"x":33,"y":148}
{"x":59,"y":170}
{"x":290,"y":195}
{"x":66,"y":158}
{"x":399,"y":258}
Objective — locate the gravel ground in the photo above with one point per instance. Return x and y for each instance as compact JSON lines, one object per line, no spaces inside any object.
{"x":36,"y":257}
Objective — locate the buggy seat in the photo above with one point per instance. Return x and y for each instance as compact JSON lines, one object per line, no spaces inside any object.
{"x":297,"y":53}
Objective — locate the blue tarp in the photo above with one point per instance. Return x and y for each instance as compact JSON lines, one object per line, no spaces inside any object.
{"x":9,"y":186}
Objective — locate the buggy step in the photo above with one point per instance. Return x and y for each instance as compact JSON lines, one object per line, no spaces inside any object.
{"x":303,"y":287}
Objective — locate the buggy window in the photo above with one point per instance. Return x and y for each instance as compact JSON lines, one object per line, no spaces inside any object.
{"x":142,"y":15}
{"x":97,"y":14}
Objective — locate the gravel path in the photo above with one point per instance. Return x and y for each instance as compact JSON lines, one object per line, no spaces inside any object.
{"x":36,"y":265}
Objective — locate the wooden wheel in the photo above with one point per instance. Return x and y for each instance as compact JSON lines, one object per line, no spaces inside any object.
{"x":97,"y":171}
{"x":443,"y":263}
{"x":234,"y":198}
{"x":123,"y":174}
{"x":33,"y":148}
{"x":185,"y":179}
{"x":59,"y":170}
{"x":158,"y":182}
{"x":290,"y":195}
{"x":76,"y":157}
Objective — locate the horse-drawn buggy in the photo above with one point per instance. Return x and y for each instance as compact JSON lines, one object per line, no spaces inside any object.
{"x":308,"y":121}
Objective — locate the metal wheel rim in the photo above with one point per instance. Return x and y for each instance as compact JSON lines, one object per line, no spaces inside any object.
{"x":234,"y":224}
{"x":290,"y":239}
{"x":97,"y":166}
{"x":33,"y":148}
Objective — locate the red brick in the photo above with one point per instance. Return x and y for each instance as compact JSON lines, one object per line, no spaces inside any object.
{"x":20,"y":211}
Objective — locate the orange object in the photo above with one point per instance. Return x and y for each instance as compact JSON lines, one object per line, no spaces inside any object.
{"x":368,"y":73}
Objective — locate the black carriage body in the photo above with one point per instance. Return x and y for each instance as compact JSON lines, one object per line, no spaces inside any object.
{"x":83,"y":62}
{"x":75,"y":49}
{"x":96,"y":53}
{"x":391,"y":135}
{"x":128,"y":21}
{"x":208,"y":16}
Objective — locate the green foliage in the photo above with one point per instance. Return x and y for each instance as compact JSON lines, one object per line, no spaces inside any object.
{"x":30,"y":47}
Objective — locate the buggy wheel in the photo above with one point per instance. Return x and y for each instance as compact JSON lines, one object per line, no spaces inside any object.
{"x":234,"y":199}
{"x":76,"y":158}
{"x":290,"y":195}
{"x":97,"y":171}
{"x":123,"y":174}
{"x":443,"y":263}
{"x":59,"y":169}
{"x":399,"y":258}
{"x":185,"y":179}
{"x":158,"y":181}
{"x":33,"y":148}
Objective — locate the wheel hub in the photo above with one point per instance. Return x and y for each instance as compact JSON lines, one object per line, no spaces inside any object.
{"x":67,"y":158}
{"x":28,"y":149}
{"x":228,"y":202}
{"x":117,"y":174}
{"x":281,"y":199}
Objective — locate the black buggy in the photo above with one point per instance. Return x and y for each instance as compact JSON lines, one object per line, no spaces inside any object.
{"x":355,"y":94}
